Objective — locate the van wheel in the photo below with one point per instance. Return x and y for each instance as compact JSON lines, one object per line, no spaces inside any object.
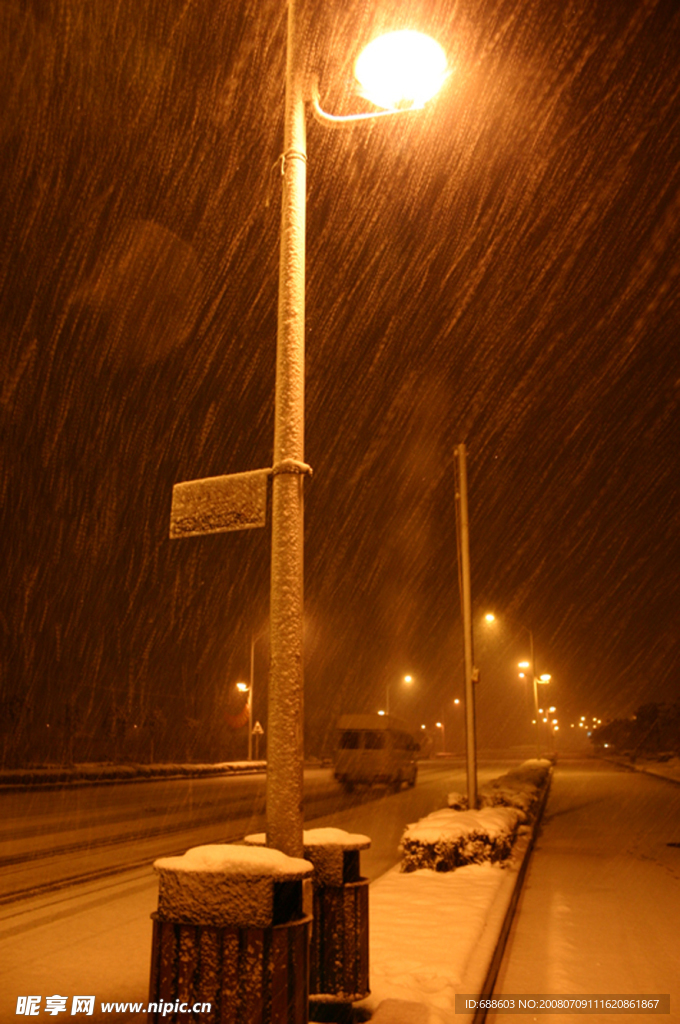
{"x":396,"y":785}
{"x":348,"y":786}
{"x":412,"y":780}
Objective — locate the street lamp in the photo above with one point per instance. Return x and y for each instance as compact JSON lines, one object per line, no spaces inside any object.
{"x":401,"y":70}
{"x":440,"y":725}
{"x":407,"y":679}
{"x":285,"y":715}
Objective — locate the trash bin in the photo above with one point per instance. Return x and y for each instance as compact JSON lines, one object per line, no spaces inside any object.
{"x":339,"y":947}
{"x":231,"y":937}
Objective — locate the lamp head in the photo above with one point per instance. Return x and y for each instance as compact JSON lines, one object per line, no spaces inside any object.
{"x":401,"y":70}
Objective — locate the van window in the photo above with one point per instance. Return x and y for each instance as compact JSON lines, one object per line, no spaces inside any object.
{"x":350,"y":740}
{"x":374,"y":740}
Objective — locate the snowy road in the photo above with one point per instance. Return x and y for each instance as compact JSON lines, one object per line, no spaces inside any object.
{"x":96,"y":937}
{"x":600,"y":909}
{"x":48,"y":837}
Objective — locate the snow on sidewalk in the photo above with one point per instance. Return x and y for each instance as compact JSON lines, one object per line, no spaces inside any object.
{"x":424,"y":927}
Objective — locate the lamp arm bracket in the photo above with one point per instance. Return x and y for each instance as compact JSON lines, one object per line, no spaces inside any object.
{"x":347,"y":120}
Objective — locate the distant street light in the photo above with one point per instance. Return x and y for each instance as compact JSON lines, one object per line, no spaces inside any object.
{"x":440,"y":725}
{"x":407,"y":679}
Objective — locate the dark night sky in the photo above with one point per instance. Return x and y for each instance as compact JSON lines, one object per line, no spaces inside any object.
{"x":500,"y":269}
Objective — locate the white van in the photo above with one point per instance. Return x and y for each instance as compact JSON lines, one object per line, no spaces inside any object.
{"x":375,"y":749}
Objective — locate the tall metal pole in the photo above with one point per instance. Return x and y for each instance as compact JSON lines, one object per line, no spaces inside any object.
{"x":464,"y":552}
{"x":285,"y":749}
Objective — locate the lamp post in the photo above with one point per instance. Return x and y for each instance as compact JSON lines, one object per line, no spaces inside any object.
{"x":440,"y":725}
{"x":245,"y":688}
{"x":285,"y":716}
{"x":254,"y":637}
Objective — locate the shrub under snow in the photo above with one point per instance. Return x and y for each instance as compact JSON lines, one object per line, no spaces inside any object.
{"x":455,"y":836}
{"x":448,"y":839}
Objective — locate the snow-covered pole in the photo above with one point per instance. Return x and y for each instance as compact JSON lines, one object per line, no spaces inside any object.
{"x":470,"y":674}
{"x":285,"y":751}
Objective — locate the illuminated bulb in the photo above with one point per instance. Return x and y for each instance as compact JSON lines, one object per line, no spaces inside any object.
{"x":401,"y":69}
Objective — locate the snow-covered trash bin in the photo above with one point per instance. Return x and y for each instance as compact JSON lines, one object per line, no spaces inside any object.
{"x":339,"y":947}
{"x":448,"y":839}
{"x":231,"y":937}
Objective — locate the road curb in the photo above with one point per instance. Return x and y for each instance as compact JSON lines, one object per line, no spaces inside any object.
{"x":482,"y":970}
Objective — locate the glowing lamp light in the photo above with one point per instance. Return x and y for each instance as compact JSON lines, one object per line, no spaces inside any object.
{"x":490,"y":617}
{"x":242,"y":687}
{"x":401,"y":70}
{"x":523,"y":664}
{"x":381,"y":712}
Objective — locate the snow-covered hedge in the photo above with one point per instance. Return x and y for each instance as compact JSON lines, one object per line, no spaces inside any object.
{"x":455,"y":836}
{"x":520,"y":788}
{"x":448,"y":839}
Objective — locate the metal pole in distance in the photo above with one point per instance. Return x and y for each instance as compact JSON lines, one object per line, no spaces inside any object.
{"x":464,"y":553}
{"x":285,"y":749}
{"x":250,"y":697}
{"x":535,"y":680}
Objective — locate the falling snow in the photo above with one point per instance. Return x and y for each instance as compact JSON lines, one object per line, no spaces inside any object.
{"x":500,"y":269}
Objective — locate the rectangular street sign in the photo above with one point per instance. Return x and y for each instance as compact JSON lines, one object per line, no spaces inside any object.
{"x":219,"y":503}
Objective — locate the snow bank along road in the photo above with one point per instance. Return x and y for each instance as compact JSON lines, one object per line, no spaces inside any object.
{"x":600,"y":908}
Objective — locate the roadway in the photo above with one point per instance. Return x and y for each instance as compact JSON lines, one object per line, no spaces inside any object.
{"x":50,"y":838}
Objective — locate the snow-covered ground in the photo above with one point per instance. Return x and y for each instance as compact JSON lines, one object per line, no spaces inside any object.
{"x":434,"y":931}
{"x":669,"y":769}
{"x":98,"y":938}
{"x":100,"y":772}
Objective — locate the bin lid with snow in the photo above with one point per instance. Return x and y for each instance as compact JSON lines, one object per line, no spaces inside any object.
{"x":225,"y":885}
{"x":326,"y":848}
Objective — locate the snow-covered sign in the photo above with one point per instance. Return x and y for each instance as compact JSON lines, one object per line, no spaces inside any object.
{"x":217,"y":504}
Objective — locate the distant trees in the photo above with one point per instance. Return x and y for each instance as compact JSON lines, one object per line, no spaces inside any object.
{"x":653,"y":729}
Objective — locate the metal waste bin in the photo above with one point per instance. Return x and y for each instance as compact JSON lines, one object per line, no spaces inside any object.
{"x":231,"y":937}
{"x":339,"y":946}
